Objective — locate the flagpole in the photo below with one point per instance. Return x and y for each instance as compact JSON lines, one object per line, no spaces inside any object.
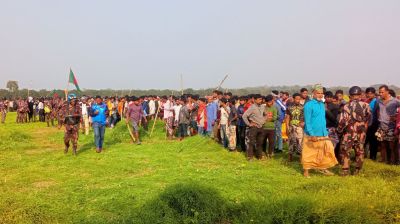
{"x":181,"y":85}
{"x":66,"y":90}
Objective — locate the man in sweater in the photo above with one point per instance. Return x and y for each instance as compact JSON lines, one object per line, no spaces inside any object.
{"x":387,"y":107}
{"x":254,"y":119}
{"x":134,"y":115}
{"x":184,"y":120}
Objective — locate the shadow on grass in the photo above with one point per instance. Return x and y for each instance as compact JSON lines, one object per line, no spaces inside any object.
{"x":85,"y":148}
{"x":195,"y":202}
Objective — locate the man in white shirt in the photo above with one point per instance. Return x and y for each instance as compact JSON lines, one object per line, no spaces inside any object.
{"x":177,"y":108}
{"x":41,"y":110}
{"x":152,"y":107}
{"x":169,"y":116}
{"x":85,"y":116}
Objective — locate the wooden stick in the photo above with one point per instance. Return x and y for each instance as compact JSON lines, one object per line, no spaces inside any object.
{"x":130,"y":131}
{"x":155,"y":119}
{"x":218,"y":87}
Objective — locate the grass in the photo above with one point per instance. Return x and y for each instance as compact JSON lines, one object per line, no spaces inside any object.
{"x":160,"y":181}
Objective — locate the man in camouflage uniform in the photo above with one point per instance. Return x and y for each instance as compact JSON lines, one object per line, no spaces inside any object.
{"x":60,"y":115}
{"x":3,"y":110}
{"x":20,"y":110}
{"x":26,"y":111}
{"x":53,"y":114}
{"x":353,"y":125}
{"x":294,"y":125}
{"x":72,"y":114}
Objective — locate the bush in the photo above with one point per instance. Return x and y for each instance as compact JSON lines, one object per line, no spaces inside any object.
{"x":185,"y":203}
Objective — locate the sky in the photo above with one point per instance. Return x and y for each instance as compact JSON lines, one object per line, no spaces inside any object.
{"x":150,"y":44}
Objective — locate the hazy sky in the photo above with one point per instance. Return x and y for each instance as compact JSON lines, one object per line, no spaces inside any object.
{"x":148,"y":44}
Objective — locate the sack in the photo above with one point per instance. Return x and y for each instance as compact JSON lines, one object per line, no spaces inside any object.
{"x":72,"y":120}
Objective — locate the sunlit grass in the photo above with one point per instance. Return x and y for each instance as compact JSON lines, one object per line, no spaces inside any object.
{"x":160,"y":181}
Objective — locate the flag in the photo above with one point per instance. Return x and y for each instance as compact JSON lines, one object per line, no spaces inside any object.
{"x":72,"y":79}
{"x":54,"y":93}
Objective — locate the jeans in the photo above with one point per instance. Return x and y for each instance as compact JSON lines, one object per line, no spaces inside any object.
{"x":99,"y":130}
{"x":201,"y":131}
{"x":224,"y":136}
{"x":278,"y":136}
{"x":182,"y":130}
{"x":113,"y":119}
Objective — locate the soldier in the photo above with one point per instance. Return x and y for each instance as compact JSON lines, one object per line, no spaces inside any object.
{"x":3,"y":110}
{"x":72,"y":113}
{"x":20,"y":110}
{"x":25,"y":111}
{"x":353,"y":125}
{"x":60,"y":115}
{"x":53,"y":114}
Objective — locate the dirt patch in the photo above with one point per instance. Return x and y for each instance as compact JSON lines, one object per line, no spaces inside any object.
{"x":141,"y":173}
{"x":208,"y":166}
{"x":40,"y":151}
{"x":44,"y":184}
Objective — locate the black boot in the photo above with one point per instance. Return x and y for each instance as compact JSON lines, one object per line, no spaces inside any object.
{"x":74,"y":151}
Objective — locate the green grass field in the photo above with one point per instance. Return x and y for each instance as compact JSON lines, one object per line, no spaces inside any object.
{"x":160,"y":181}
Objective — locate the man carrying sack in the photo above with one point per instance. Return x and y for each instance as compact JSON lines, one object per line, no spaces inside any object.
{"x":318,"y":152}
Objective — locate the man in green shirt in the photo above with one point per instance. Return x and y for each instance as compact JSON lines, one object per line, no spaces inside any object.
{"x":271,"y":116}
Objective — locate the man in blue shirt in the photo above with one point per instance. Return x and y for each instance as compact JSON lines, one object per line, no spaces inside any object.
{"x":212,"y":108}
{"x":314,"y":116}
{"x":281,"y":107}
{"x":318,"y":152}
{"x":99,"y":113}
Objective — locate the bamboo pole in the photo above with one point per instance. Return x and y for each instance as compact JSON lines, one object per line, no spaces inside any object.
{"x":181,"y":84}
{"x":155,"y":120}
{"x":223,"y":80}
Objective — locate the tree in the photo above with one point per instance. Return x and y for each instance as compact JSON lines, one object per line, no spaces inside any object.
{"x":12,"y":86}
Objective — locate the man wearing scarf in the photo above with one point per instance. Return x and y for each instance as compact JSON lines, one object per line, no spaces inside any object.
{"x":318,"y":152}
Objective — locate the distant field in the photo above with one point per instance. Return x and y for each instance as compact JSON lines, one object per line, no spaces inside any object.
{"x":193,"y":181}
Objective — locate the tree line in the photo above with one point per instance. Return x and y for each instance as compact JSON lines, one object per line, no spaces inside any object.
{"x":12,"y":91}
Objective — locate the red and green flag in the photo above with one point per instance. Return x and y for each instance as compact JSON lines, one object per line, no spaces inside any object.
{"x":72,"y":79}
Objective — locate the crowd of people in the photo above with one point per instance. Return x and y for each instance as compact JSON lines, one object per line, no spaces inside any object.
{"x":322,"y":127}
